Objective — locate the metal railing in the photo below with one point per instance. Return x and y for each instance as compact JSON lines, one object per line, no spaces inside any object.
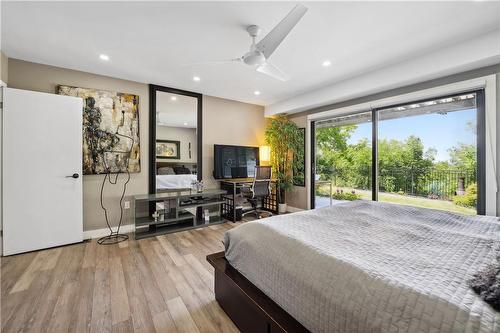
{"x":431,"y":183}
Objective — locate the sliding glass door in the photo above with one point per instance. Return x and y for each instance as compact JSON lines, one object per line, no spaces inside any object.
{"x":343,"y":159}
{"x":427,"y":154}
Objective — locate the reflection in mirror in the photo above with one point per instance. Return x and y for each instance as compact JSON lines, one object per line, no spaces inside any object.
{"x":176,"y":141}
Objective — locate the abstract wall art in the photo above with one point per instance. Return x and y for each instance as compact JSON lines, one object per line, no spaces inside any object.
{"x":110,"y":130}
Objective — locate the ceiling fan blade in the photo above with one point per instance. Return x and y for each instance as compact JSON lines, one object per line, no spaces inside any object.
{"x":274,"y":38}
{"x":215,"y":62}
{"x":272,"y":71}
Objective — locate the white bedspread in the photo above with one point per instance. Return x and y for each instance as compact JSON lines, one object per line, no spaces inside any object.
{"x":174,"y":181}
{"x":371,"y":267}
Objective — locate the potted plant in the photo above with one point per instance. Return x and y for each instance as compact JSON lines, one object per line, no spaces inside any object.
{"x":283,"y":136}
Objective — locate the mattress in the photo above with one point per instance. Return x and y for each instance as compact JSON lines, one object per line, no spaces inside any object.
{"x":371,"y":267}
{"x":174,"y":181}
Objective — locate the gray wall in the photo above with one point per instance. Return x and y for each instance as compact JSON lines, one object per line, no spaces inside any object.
{"x":224,"y":121}
{"x":299,"y":196}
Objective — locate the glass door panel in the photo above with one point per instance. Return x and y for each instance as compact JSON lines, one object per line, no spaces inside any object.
{"x":427,"y":154}
{"x":343,"y":155}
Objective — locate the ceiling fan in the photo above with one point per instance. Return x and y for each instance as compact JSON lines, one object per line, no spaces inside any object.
{"x":260,"y":52}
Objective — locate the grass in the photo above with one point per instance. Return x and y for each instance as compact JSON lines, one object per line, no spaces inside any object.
{"x":404,"y":200}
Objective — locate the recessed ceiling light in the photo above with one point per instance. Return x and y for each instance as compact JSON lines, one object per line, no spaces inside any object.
{"x":256,"y":92}
{"x":326,"y":63}
{"x":104,"y":57}
{"x":185,"y":124}
{"x":196,"y":78}
{"x":173,"y":98}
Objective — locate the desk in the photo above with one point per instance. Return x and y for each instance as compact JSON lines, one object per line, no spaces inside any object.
{"x":233,"y":188}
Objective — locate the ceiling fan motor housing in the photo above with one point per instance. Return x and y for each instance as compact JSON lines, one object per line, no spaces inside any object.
{"x":253,"y":30}
{"x":254,"y":58}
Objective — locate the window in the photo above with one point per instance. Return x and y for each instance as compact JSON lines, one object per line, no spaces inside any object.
{"x":428,"y":154}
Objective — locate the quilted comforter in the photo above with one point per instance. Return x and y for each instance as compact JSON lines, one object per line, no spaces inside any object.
{"x":371,"y":267}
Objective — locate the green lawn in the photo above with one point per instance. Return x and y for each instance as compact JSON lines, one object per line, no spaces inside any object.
{"x":405,"y":200}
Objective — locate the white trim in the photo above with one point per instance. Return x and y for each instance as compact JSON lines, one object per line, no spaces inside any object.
{"x":98,"y":233}
{"x":308,"y":164}
{"x":477,"y":52}
{"x":448,"y":89}
{"x":488,"y":83}
{"x":291,"y":209}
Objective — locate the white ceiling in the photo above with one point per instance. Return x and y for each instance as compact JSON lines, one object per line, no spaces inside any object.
{"x":149,"y":42}
{"x":176,"y":110}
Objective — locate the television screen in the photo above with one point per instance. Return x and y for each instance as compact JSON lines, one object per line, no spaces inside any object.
{"x":235,"y":161}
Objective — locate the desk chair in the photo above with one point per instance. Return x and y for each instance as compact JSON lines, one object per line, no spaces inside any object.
{"x":260,"y":189}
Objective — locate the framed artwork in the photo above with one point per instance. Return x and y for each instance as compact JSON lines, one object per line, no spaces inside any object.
{"x":168,"y":149}
{"x":299,"y":158}
{"x":110,"y":130}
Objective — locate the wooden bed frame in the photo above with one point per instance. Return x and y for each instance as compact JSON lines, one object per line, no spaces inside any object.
{"x":247,"y":306}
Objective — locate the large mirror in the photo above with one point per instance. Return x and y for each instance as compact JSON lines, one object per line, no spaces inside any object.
{"x":175,"y":139}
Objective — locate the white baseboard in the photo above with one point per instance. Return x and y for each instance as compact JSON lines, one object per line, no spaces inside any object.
{"x":291,"y":209}
{"x":97,"y":233}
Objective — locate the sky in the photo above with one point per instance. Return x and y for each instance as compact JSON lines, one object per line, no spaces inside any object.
{"x":437,"y":131}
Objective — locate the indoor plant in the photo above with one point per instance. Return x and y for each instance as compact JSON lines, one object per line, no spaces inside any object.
{"x":283,"y":136}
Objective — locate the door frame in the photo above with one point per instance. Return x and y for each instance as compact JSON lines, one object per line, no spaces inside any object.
{"x":486,"y":139}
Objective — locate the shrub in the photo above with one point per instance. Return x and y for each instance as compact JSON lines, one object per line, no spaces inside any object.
{"x":350,"y":196}
{"x":388,"y":183}
{"x":469,"y":199}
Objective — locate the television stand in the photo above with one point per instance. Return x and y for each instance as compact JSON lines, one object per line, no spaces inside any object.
{"x":177,"y":211}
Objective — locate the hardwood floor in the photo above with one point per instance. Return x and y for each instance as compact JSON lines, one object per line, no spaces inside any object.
{"x":160,"y":284}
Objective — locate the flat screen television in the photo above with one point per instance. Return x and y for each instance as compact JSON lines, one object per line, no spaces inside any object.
{"x":235,"y":161}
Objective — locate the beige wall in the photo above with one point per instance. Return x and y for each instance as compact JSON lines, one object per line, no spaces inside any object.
{"x":185,"y":136}
{"x":224,"y":121}
{"x":4,"y":63}
{"x":31,"y":76}
{"x":229,"y":122}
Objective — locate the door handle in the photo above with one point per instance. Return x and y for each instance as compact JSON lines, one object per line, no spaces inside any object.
{"x":75,"y":175}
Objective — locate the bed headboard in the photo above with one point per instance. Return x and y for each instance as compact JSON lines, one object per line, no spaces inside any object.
{"x":190,"y":166}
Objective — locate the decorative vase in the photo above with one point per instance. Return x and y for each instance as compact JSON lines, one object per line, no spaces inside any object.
{"x":282,"y":208}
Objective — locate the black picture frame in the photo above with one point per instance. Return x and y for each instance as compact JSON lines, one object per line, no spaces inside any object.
{"x":299,"y":165}
{"x":178,"y":149}
{"x":152,"y":130}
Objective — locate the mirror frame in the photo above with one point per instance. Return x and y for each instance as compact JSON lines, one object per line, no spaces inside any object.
{"x":153,"y":89}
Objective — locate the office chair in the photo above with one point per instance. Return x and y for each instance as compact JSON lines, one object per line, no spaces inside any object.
{"x":260,"y":189}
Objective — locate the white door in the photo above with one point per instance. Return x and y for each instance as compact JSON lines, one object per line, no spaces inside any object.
{"x":42,"y":150}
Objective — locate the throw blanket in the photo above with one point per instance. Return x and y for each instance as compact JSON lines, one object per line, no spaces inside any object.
{"x":371,"y":267}
{"x":486,"y":284}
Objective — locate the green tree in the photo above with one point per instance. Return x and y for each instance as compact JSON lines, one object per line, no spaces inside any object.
{"x":464,"y":156}
{"x":331,"y":147}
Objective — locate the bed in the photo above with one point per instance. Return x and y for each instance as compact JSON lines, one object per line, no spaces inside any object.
{"x":170,"y":182}
{"x":358,"y":267}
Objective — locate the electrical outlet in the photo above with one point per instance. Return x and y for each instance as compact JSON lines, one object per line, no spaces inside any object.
{"x":126,"y":205}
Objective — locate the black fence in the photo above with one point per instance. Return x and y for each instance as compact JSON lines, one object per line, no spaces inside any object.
{"x":429,"y":183}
